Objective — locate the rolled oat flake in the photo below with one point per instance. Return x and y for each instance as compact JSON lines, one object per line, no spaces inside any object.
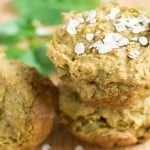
{"x":134,"y":54}
{"x":143,"y":40}
{"x":79,"y":48}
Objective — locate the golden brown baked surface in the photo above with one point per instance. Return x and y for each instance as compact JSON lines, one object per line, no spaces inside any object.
{"x":105,"y":127}
{"x":104,"y":53}
{"x":27,"y":106}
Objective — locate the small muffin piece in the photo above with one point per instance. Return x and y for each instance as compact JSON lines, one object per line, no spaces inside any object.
{"x":27,"y":106}
{"x":104,"y":54}
{"x":104,"y":127}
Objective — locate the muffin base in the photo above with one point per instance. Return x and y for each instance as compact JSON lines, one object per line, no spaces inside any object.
{"x":104,"y":127}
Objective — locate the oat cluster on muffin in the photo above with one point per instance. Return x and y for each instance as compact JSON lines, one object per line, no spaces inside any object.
{"x":104,"y":55}
{"x":27,"y":106}
{"x":103,"y":60}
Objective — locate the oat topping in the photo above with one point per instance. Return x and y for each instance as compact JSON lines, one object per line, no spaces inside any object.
{"x":91,"y":18}
{"x":132,"y":22}
{"x":144,"y":20}
{"x":123,"y":42}
{"x":72,"y":24}
{"x":79,"y":147}
{"x":46,"y":147}
{"x":135,"y":25}
{"x":80,"y":20}
{"x":134,"y":54}
{"x":143,"y":40}
{"x":138,"y":29}
{"x":110,"y":42}
{"x":114,"y":40}
{"x":120,"y":27}
{"x":90,"y":36}
{"x":113,"y":14}
{"x":79,"y":48}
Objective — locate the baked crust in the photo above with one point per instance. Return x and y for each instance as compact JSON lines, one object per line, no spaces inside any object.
{"x":120,"y":102}
{"x":43,"y":112}
{"x":27,"y":105}
{"x":106,"y":127}
{"x":109,"y":141}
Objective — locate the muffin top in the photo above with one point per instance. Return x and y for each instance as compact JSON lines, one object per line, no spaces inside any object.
{"x":106,"y":46}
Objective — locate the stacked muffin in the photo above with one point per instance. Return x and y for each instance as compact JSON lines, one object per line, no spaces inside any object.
{"x":103,"y":59}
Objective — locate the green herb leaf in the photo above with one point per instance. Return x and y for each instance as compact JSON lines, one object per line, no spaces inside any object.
{"x":49,"y":11}
{"x":16,"y":30}
{"x":46,"y":66}
{"x":13,"y":52}
{"x":35,"y":57}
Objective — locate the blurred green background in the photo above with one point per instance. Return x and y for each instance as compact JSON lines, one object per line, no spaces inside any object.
{"x":35,"y":19}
